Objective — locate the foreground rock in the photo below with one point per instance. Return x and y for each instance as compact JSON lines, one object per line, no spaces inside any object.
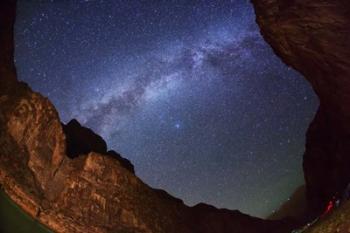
{"x":336,"y":222}
{"x":64,"y":176}
{"x":92,"y":192}
{"x":313,"y":37}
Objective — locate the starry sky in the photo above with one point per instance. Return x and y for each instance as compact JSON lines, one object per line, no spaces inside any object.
{"x":186,"y":90}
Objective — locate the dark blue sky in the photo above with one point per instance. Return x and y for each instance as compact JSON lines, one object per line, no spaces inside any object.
{"x":187,"y":90}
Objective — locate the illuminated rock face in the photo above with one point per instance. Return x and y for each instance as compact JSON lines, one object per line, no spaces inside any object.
{"x":313,"y":37}
{"x":64,"y":176}
{"x":91,"y":192}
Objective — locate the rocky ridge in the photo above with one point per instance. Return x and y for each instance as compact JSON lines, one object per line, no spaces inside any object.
{"x":312,"y":36}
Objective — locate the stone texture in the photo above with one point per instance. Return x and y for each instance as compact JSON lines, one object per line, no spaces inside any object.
{"x":91,"y":192}
{"x":63,"y":175}
{"x":313,"y":37}
{"x":335,"y":222}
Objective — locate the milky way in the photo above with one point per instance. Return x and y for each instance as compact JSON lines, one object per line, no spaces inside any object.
{"x":187,"y":90}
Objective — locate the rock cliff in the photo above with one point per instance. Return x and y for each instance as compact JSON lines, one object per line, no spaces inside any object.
{"x":63,"y":175}
{"x":95,"y":191}
{"x":313,"y":37}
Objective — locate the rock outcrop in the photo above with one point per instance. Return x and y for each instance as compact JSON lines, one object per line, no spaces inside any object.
{"x":63,"y":175}
{"x":336,"y":222}
{"x":92,"y":192}
{"x":313,"y":37}
{"x":81,"y":140}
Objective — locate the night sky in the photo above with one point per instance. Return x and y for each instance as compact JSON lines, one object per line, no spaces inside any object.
{"x":186,"y":90}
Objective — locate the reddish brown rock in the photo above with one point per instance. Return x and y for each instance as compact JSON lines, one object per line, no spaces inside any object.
{"x":92,"y":192}
{"x":313,"y":37}
{"x":337,"y":221}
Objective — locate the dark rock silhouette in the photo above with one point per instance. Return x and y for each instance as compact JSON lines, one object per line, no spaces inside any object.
{"x":208,"y":219}
{"x":124,"y":162}
{"x":7,"y":22}
{"x":81,"y":140}
{"x":313,"y":37}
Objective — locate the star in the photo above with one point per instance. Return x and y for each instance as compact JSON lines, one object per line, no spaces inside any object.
{"x":177,"y":125}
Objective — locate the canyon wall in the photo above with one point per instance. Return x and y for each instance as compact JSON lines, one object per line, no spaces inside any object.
{"x":313,"y":36}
